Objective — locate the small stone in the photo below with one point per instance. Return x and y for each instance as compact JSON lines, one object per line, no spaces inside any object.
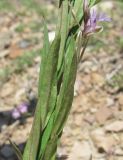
{"x":7,"y":90}
{"x":78,"y":120}
{"x":103,"y":114}
{"x":89,"y":119}
{"x":102,"y":141}
{"x":5,"y":40}
{"x":77,"y":87}
{"x":23,"y":44}
{"x":116,"y":126}
{"x":120,"y":99}
{"x":7,"y":151}
{"x":4,"y":53}
{"x":110,"y":102}
{"x":61,"y":152}
{"x":15,"y":51}
{"x":80,"y":151}
{"x":119,"y":152}
{"x":93,"y":110}
{"x":97,"y":79}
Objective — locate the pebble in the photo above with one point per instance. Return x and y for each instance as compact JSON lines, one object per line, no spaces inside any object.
{"x":5,"y":40}
{"x":7,"y":151}
{"x":23,"y":44}
{"x":80,"y":151}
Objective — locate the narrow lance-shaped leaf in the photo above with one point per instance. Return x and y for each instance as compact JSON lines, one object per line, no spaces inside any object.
{"x":77,"y":9}
{"x":64,"y":31}
{"x":47,"y":131}
{"x":68,"y":98}
{"x":31,"y":148}
{"x":68,"y":83}
{"x":51,"y":146}
{"x":44,"y":55}
{"x":47,"y":81}
{"x":52,"y":100}
{"x":93,"y":2}
{"x":46,"y":136}
{"x":51,"y":149}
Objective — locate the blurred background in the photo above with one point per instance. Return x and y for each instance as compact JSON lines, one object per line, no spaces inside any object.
{"x":95,"y":125}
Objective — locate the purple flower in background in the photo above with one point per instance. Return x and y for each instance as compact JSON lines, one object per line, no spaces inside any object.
{"x":91,"y":18}
{"x":19,"y":110}
{"x":15,"y":113}
{"x":23,"y":108}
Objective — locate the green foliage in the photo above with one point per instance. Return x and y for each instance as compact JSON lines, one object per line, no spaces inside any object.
{"x":56,"y":83}
{"x":93,"y":2}
{"x":30,"y":5}
{"x":5,"y":5}
{"x":20,"y":28}
{"x":34,"y":6}
{"x":117,"y":80}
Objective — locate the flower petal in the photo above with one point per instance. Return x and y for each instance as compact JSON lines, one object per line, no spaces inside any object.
{"x":93,"y":18}
{"x":103,"y":18}
{"x":16,"y":113}
{"x":23,"y":108}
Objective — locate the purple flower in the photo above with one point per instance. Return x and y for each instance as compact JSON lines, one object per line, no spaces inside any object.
{"x":91,"y":19}
{"x":19,"y":110}
{"x":16,"y":114}
{"x":102,"y":17}
{"x":23,"y":108}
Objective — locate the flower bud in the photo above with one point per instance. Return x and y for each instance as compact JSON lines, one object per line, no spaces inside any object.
{"x":86,"y":11}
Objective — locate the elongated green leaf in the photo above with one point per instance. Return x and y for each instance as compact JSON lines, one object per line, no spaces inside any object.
{"x":45,"y":52}
{"x":78,"y":10}
{"x":31,"y":149}
{"x":46,"y":40}
{"x":47,"y":81}
{"x":47,"y":132}
{"x":93,"y":2}
{"x":70,"y":53}
{"x":52,"y":102}
{"x":50,"y":149}
{"x":64,"y":31}
{"x":17,"y":151}
{"x":67,"y":100}
{"x":67,"y":86}
{"x":46,"y":136}
{"x":60,"y":2}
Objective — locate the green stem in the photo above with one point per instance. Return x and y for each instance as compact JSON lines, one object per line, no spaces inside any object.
{"x":84,"y":47}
